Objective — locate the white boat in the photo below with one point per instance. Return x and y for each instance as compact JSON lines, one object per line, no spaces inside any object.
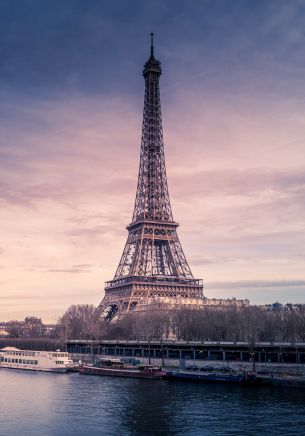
{"x":51,"y":361}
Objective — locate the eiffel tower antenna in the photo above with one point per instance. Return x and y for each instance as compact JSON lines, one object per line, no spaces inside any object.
{"x":151,"y":45}
{"x":153,"y":268}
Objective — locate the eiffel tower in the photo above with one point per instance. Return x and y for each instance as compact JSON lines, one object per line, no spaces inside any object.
{"x":153,"y":268}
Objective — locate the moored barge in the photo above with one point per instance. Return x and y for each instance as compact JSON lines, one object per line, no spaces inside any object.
{"x":233,"y":377}
{"x":117,"y":368}
{"x":282,"y":381}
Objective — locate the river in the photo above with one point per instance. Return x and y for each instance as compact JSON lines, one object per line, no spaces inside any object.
{"x":33,"y":403}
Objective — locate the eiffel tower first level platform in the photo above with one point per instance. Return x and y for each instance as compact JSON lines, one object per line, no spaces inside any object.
{"x":153,"y":270}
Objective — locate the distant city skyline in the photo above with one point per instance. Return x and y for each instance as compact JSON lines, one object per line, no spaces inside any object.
{"x":71,"y":102}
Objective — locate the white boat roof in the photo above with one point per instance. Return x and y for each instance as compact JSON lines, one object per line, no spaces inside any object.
{"x":10,"y":349}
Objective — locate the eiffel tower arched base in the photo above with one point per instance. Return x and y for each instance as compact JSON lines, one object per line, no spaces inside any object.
{"x":143,"y":293}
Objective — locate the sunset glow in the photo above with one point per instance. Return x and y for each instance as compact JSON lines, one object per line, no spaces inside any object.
{"x":71,"y":101}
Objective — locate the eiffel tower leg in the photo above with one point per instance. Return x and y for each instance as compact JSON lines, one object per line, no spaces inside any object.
{"x":108,"y":310}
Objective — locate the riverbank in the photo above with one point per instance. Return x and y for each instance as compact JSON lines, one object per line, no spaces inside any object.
{"x":281,"y":369}
{"x":283,"y":358}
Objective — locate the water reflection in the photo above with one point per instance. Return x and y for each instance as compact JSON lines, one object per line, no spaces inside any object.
{"x":148,"y":409}
{"x":48,"y":404}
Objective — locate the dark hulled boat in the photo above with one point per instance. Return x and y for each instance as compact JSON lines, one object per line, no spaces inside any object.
{"x":233,"y":377}
{"x":117,"y":368}
{"x":282,"y":381}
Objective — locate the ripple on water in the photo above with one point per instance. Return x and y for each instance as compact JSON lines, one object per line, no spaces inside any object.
{"x":72,"y":404}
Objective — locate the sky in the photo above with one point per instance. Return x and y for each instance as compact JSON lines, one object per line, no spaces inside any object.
{"x":71,"y":102}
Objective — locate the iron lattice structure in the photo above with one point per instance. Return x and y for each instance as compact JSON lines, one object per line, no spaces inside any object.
{"x":153,"y":268}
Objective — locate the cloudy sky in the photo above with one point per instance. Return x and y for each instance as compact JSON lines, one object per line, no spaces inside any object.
{"x":71,"y":101}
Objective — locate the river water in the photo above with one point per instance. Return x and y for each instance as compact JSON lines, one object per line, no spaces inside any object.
{"x":33,"y":403}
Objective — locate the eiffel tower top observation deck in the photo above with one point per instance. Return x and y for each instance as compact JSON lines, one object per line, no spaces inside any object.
{"x":153,"y":267}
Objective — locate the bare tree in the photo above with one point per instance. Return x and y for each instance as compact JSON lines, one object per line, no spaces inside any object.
{"x":78,"y":322}
{"x":250,"y":324}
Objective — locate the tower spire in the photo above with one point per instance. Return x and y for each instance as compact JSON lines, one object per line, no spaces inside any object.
{"x":152,"y":45}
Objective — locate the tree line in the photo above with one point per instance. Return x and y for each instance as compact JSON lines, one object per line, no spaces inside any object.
{"x":248,"y":324}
